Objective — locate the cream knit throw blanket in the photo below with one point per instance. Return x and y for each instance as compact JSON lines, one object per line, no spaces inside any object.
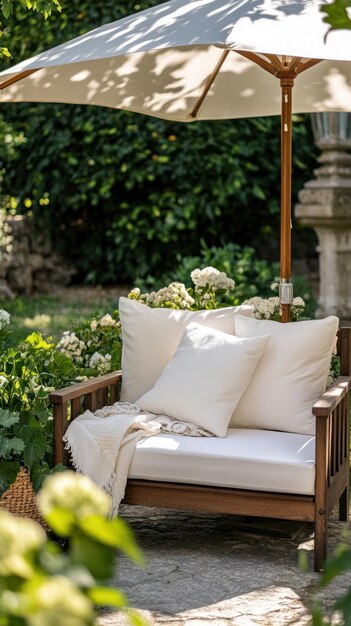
{"x":102,"y":444}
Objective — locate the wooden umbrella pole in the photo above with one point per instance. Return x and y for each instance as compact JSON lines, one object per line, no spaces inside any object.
{"x":286,"y":84}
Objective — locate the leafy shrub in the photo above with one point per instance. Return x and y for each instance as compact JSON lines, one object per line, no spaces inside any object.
{"x":95,"y":345}
{"x":337,"y":564}
{"x":252,"y":276}
{"x":27,"y":375}
{"x":42,"y":584}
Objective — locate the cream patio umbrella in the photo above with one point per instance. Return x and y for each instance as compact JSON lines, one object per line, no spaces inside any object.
{"x":188,"y":60}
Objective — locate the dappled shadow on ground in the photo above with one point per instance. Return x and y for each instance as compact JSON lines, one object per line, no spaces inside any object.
{"x":219,"y":568}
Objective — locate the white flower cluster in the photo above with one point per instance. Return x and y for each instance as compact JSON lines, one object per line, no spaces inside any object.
{"x":101,"y":362}
{"x":210,"y":277}
{"x":106,"y":320}
{"x":18,"y":537}
{"x":268,"y":308}
{"x":298,"y":302}
{"x":74,"y":492}
{"x":3,"y":381}
{"x":176,"y":294}
{"x":4,"y":318}
{"x":72,"y":346}
{"x":264,"y":308}
{"x":58,"y":602}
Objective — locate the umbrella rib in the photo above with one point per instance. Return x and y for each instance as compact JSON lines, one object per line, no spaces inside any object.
{"x":307,"y":65}
{"x":209,"y":83}
{"x":257,"y":59}
{"x":18,"y":77}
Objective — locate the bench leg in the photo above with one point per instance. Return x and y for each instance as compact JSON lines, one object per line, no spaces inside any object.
{"x":320,"y":539}
{"x":344,"y":505}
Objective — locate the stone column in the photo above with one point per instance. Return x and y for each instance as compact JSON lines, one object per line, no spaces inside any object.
{"x":325,"y":205}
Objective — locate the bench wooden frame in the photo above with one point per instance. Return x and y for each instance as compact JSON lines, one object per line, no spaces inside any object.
{"x":332,"y":459}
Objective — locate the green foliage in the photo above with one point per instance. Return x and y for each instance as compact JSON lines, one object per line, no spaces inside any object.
{"x":251,"y":275}
{"x":10,"y":447}
{"x":338,"y":564}
{"x":27,"y":375}
{"x":124,"y":195}
{"x":337,"y":15}
{"x":42,"y":584}
{"x":213,"y":289}
{"x":7,"y":7}
{"x":52,"y":314}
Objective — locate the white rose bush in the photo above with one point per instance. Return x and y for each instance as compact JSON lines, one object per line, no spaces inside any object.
{"x":43,"y":583}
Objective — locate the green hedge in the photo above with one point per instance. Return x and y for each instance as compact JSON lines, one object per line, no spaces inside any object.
{"x":125,"y":195}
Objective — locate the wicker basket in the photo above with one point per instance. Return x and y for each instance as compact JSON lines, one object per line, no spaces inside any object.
{"x":20,"y":500}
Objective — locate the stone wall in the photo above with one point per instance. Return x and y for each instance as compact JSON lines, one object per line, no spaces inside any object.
{"x":28,"y":263}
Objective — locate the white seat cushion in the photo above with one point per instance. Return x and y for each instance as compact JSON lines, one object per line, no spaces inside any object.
{"x":245,"y":459}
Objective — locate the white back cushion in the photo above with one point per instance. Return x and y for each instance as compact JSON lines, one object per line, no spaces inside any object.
{"x":291,"y":375}
{"x":151,"y":336}
{"x":206,"y":378}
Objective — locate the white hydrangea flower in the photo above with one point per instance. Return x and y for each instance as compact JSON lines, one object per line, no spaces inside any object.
{"x":58,"y":602}
{"x":299,"y":302}
{"x":211,"y":277}
{"x":101,"y":362}
{"x":18,"y":537}
{"x":107,"y":320}
{"x":72,"y":346}
{"x":3,"y":381}
{"x":5,"y":318}
{"x":74,"y":492}
{"x":176,"y":294}
{"x":264,"y":308}
{"x":93,"y":325}
{"x":274,"y":286}
{"x":135,"y":293}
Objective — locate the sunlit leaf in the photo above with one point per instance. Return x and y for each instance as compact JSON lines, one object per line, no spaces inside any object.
{"x":106,"y":596}
{"x":337,"y":15}
{"x":115,"y":533}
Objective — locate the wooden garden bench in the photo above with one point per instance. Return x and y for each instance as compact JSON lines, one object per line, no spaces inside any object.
{"x":331,"y":459}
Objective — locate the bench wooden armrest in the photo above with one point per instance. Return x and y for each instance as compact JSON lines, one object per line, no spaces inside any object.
{"x":327,"y":403}
{"x":70,"y":402}
{"x":88,"y":386}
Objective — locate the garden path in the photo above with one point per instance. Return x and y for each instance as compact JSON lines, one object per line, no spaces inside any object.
{"x":221,"y":570}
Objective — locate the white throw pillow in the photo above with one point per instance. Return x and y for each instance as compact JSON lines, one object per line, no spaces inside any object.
{"x":206,"y":378}
{"x":291,"y":375}
{"x":151,"y":336}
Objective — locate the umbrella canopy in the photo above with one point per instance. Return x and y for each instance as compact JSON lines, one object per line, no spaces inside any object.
{"x":202,"y":59}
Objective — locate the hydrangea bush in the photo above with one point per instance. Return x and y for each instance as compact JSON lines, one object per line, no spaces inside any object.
{"x":41,"y":584}
{"x":209,"y":287}
{"x":269,"y":308}
{"x":213,"y":289}
{"x":95,"y":347}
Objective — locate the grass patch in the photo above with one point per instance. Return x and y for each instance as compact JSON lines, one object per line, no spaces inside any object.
{"x":51,"y":315}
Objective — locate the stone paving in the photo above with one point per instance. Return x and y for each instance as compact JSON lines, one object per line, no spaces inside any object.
{"x":221,"y":570}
